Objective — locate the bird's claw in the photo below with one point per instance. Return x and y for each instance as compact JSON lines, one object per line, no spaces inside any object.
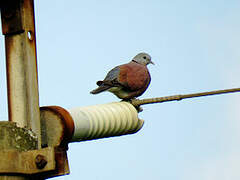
{"x":138,"y":108}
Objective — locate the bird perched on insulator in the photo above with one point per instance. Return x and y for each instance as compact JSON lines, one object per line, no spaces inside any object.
{"x":129,"y":80}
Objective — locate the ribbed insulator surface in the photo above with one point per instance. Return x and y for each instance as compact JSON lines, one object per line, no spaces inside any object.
{"x":105,"y":120}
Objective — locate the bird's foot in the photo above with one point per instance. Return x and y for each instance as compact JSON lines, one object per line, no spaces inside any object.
{"x":138,"y":108}
{"x":128,"y":100}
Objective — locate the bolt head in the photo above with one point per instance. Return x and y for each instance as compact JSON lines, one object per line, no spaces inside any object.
{"x":40,"y":161}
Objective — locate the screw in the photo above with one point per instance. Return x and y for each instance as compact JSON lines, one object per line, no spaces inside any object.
{"x":40,"y":161}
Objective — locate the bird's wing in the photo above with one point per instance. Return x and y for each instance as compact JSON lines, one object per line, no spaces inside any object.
{"x":113,"y":74}
{"x":112,"y":78}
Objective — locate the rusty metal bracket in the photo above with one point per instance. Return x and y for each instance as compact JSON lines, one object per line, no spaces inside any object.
{"x":27,"y":162}
{"x":46,"y":162}
{"x":18,"y":154}
{"x":57,"y":126}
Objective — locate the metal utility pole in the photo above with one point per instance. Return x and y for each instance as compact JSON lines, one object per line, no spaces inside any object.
{"x":22,"y":83}
{"x":21,"y":153}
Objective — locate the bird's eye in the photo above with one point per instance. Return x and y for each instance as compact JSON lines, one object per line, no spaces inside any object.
{"x":144,"y":57}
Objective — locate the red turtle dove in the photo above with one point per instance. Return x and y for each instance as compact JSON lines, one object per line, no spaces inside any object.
{"x":129,"y":80}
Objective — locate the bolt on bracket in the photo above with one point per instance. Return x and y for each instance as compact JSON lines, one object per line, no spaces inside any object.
{"x":27,"y":162}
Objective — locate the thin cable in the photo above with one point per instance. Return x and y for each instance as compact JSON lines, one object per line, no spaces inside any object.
{"x":138,"y":102}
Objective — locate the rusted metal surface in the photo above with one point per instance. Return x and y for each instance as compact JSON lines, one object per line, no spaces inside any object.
{"x":23,"y":101}
{"x":19,"y":30}
{"x":61,"y":163}
{"x":20,"y":159}
{"x":12,"y":16}
{"x":13,"y":161}
{"x":40,"y":161}
{"x":62,"y":167}
{"x":57,"y":126}
{"x":57,"y":130}
{"x":17,"y":154}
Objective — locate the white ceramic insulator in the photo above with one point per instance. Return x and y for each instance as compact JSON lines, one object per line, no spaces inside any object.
{"x":105,"y":120}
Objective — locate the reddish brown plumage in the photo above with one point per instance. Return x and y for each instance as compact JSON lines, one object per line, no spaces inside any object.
{"x":135,"y":78}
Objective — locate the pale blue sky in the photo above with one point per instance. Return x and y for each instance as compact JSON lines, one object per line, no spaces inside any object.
{"x":195,"y":46}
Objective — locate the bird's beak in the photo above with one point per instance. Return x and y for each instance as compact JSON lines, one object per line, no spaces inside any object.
{"x":151,"y":63}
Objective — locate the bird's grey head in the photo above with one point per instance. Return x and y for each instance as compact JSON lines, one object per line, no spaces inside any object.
{"x":143,"y":58}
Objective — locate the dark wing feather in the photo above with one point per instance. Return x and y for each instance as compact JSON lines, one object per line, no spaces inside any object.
{"x":111,"y":80}
{"x":113,"y":74}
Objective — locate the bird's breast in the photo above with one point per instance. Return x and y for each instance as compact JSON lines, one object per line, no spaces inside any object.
{"x":135,"y":76}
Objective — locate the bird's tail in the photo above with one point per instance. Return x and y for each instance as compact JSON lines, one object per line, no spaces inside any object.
{"x":100,"y":89}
